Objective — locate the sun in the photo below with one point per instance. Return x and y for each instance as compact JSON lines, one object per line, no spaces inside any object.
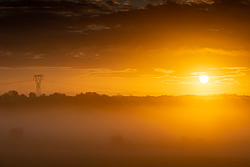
{"x":204,"y":79}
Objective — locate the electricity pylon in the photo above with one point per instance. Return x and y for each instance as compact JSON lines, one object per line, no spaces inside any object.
{"x":38,"y":79}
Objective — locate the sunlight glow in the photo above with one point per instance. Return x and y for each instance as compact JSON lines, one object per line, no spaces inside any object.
{"x":204,"y":79}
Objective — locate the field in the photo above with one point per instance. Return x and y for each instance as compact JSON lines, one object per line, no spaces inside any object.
{"x":127,"y":131}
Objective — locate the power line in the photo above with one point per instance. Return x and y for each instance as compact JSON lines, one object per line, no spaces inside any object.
{"x":7,"y":83}
{"x":52,"y":81}
{"x":38,"y":79}
{"x":60,"y":82}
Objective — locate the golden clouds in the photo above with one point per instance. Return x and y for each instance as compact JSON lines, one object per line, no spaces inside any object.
{"x":164,"y":71}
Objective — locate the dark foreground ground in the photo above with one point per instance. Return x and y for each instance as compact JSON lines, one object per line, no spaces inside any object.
{"x":115,"y":159}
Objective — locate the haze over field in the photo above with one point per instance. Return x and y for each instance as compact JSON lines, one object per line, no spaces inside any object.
{"x":144,"y":130}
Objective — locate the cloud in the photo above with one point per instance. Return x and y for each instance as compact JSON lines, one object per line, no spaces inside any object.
{"x":229,"y":75}
{"x":165,"y":78}
{"x":215,"y":51}
{"x":230,"y":68}
{"x":164,"y":71}
{"x":97,"y":56}
{"x":34,"y":56}
{"x":38,"y":56}
{"x":103,"y":72}
{"x":81,"y":55}
{"x":60,"y":7}
{"x":37,"y":68}
{"x":107,"y":71}
{"x":5,"y":53}
{"x":97,"y":27}
{"x":112,"y":3}
{"x":231,"y":72}
{"x":198,"y":73}
{"x":180,"y":80}
{"x":217,"y":75}
{"x":226,"y":81}
{"x":61,"y":29}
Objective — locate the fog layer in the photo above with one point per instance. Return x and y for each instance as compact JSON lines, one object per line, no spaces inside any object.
{"x":163,"y":126}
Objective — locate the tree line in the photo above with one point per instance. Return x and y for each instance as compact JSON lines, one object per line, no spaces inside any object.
{"x":92,"y":99}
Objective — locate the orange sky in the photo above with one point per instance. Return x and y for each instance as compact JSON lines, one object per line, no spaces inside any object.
{"x":111,"y":47}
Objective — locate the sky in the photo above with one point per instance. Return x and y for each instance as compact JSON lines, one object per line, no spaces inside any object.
{"x":128,"y":47}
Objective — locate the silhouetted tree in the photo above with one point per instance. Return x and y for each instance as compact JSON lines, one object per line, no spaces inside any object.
{"x":12,"y":93}
{"x":22,"y":96}
{"x":32,"y":95}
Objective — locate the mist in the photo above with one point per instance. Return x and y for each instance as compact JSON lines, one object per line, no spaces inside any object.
{"x":152,"y":127}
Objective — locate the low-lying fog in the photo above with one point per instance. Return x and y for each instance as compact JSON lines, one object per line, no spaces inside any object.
{"x":172,"y":128}
{"x":195,"y":129}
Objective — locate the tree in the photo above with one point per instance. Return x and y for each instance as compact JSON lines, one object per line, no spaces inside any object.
{"x":32,"y":95}
{"x":12,"y":93}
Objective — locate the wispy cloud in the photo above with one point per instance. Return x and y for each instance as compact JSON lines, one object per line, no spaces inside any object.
{"x":104,"y":72}
{"x":97,"y":27}
{"x":230,"y":72}
{"x":80,"y":55}
{"x":229,"y":75}
{"x":198,"y":73}
{"x":38,"y":56}
{"x":171,"y":81}
{"x":166,"y":78}
{"x":37,"y":68}
{"x":5,"y":53}
{"x":227,"y":81}
{"x":230,"y":68}
{"x":85,"y":55}
{"x":164,"y":71}
{"x":213,"y":51}
{"x":34,"y":56}
{"x":72,"y":25}
{"x":218,"y":75}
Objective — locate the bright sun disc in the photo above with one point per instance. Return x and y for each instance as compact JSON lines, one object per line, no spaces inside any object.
{"x":204,"y":79}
